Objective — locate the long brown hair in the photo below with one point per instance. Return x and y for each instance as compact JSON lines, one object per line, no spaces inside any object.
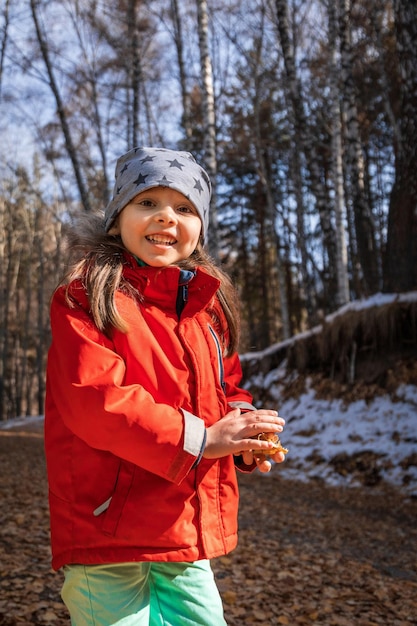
{"x":97,"y":260}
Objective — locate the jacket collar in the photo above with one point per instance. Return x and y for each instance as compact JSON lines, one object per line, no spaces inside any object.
{"x":159,"y":286}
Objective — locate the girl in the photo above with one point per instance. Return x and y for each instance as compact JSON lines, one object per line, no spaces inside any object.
{"x":144,"y":418}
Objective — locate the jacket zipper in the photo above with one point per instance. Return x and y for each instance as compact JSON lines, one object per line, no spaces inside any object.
{"x":182,"y":293}
{"x":219,"y":357}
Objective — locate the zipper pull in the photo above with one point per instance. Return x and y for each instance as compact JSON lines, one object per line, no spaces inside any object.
{"x":103,"y":507}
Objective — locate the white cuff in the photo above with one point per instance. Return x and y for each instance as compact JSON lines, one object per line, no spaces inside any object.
{"x":194,"y":433}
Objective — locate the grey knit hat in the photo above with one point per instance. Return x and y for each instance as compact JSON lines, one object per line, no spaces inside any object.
{"x":143,"y":168}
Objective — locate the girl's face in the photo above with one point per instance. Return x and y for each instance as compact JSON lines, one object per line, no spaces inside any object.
{"x":159,"y":226}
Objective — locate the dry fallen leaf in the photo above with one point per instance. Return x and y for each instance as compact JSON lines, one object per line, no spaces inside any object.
{"x":308,"y":554}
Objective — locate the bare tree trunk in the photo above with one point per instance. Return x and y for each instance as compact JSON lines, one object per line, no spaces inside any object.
{"x":72,"y":153}
{"x":42,"y":344}
{"x":283,"y":300}
{"x":401,"y":253}
{"x":26,"y":334}
{"x":248,"y":308}
{"x":11,"y":265}
{"x":4,"y":39}
{"x":4,"y":307}
{"x":354,"y":163}
{"x":297,"y":115}
{"x":377,"y":16}
{"x":134,"y":68}
{"x":268,"y":218}
{"x":185,"y":96}
{"x":272,"y":234}
{"x":209,"y":121}
{"x":92,"y":78}
{"x":337,"y":163}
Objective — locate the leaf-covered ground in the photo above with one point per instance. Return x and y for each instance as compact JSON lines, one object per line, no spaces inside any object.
{"x":308,"y":554}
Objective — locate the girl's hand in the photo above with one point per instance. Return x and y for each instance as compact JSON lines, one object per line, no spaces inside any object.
{"x":262,"y":461}
{"x":232,"y":434}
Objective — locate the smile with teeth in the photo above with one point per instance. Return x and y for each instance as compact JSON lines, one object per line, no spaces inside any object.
{"x":161,"y":240}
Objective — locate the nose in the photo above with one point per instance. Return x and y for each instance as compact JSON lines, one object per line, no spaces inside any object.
{"x":166,"y":215}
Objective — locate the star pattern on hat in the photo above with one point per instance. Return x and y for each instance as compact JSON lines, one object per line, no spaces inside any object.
{"x":146,"y":159}
{"x":165,"y":168}
{"x":206,"y":178}
{"x":198,"y":185}
{"x":164,"y":182}
{"x":141,"y":179}
{"x":176,"y":163}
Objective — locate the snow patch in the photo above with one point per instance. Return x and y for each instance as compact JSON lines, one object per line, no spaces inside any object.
{"x":318,"y":430}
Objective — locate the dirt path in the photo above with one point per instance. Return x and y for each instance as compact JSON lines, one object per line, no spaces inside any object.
{"x":308,"y":554}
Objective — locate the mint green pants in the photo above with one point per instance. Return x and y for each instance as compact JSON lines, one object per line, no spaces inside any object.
{"x":142,"y":594}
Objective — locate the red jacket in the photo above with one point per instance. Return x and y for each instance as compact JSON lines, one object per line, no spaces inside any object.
{"x":125,"y":421}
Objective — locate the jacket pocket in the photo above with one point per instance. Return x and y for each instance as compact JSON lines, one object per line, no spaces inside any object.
{"x":112,"y":508}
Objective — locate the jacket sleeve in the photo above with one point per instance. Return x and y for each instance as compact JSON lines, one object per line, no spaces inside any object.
{"x":86,"y":389}
{"x":237,"y":397}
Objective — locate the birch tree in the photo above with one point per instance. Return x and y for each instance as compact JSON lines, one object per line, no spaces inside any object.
{"x":337,"y":160}
{"x":209,"y":117}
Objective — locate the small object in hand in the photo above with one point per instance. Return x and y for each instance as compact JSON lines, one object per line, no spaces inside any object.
{"x":278,"y":447}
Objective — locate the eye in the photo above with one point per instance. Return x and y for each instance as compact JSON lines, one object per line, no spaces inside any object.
{"x":145,"y":202}
{"x":186,"y":209}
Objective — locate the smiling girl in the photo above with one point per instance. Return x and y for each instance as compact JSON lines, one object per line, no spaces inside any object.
{"x":145,"y":422}
{"x":159,"y":226}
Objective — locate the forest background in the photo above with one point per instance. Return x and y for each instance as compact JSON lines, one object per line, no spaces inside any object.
{"x":304,"y":112}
